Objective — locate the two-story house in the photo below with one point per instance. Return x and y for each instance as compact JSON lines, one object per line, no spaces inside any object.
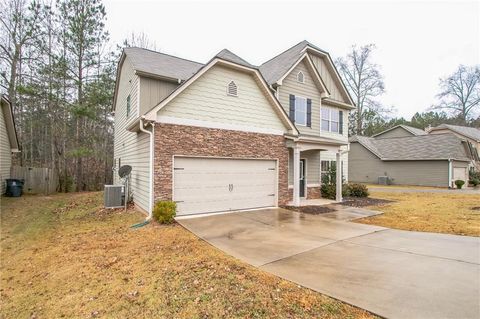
{"x":227,"y":135}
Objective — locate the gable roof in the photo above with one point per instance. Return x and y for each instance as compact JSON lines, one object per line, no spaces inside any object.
{"x":470,"y":132}
{"x":6,"y":108}
{"x":412,"y":130}
{"x":228,"y":55}
{"x":161,"y":64}
{"x":221,"y":59}
{"x":419,"y":147}
{"x":276,"y":68}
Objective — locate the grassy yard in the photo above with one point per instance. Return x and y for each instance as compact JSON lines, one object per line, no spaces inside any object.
{"x":429,"y":212}
{"x":64,"y":256}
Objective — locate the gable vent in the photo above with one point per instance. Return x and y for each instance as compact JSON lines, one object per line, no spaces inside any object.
{"x":301,"y":77}
{"x":232,"y":89}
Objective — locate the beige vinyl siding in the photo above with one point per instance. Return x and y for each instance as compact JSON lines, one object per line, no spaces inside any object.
{"x":5,"y":152}
{"x":131,"y":148}
{"x":153,"y":91}
{"x":206,"y":100}
{"x":307,"y":90}
{"x":365,"y":167}
{"x":396,"y":132}
{"x":332,"y":84}
{"x":310,"y":91}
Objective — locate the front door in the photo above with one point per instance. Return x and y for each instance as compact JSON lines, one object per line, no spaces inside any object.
{"x":302,"y":177}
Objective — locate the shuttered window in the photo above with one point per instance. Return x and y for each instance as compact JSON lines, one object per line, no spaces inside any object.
{"x":300,"y":111}
{"x":232,"y":89}
{"x":331,"y":121}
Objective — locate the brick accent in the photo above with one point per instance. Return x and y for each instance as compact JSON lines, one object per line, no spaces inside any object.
{"x":171,"y":139}
{"x":313,"y":192}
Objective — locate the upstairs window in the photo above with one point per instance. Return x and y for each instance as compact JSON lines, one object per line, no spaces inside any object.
{"x":301,"y":77}
{"x":300,"y":111}
{"x":232,"y":89}
{"x":128,"y":105}
{"x":332,"y":120}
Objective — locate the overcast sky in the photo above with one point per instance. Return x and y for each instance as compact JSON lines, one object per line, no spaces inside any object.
{"x":417,"y":42}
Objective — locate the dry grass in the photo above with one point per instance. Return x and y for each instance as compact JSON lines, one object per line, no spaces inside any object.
{"x":63,"y":256}
{"x":428,"y":212}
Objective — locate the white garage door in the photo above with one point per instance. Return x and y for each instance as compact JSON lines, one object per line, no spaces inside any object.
{"x":460,"y":173}
{"x":204,"y":185}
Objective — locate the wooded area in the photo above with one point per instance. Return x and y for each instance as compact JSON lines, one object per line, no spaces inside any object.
{"x":57,"y":64}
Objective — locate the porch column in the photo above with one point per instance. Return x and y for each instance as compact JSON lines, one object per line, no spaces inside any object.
{"x":338,"y":196}
{"x":296,"y":176}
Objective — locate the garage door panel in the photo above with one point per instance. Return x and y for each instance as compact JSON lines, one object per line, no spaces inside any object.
{"x":204,"y":185}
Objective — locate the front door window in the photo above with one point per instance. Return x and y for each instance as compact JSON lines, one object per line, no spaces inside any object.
{"x":302,"y":177}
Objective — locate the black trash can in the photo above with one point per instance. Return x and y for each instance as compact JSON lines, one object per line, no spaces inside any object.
{"x":14,"y":187}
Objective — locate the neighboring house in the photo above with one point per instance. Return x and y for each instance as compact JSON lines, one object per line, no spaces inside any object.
{"x":8,"y":140}
{"x":400,"y":131}
{"x":413,"y":159}
{"x":470,"y":134}
{"x":228,"y":135}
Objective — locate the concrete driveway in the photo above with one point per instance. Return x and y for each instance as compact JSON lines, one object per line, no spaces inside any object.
{"x":393,"y":273}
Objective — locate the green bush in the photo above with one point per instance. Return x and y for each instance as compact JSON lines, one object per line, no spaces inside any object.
{"x":475,"y":182}
{"x":164,"y":212}
{"x":357,"y":190}
{"x":328,"y":188}
{"x":459,"y":183}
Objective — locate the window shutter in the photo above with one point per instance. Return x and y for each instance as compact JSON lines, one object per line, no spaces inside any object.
{"x":340,"y":122}
{"x":309,"y":112}
{"x":292,"y":108}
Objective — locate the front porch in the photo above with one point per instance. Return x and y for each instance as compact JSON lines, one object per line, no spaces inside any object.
{"x":305,"y":168}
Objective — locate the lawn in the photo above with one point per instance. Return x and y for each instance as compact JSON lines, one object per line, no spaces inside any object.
{"x":64,"y":256}
{"x":429,"y":212}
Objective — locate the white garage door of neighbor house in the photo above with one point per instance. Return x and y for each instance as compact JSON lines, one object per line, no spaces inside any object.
{"x":205,"y":185}
{"x":460,"y":173}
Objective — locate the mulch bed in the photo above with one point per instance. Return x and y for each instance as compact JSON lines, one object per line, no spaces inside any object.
{"x":364,"y":201}
{"x":313,"y":210}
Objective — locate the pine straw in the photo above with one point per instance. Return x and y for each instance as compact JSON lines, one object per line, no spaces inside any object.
{"x":429,"y":212}
{"x":64,"y":256}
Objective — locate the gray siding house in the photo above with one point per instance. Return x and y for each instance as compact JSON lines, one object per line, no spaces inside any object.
{"x":409,"y":157}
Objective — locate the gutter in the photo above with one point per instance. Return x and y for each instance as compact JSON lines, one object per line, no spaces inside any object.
{"x":150,"y":201}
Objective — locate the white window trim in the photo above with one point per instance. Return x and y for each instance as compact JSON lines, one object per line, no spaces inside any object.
{"x":329,"y":120}
{"x":303,"y":77}
{"x":228,"y":86}
{"x":306,"y":111}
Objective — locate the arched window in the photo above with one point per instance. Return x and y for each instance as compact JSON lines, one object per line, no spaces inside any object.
{"x":232,"y":89}
{"x":301,"y":77}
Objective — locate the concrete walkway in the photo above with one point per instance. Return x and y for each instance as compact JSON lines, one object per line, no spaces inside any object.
{"x":393,"y":273}
{"x":396,"y":189}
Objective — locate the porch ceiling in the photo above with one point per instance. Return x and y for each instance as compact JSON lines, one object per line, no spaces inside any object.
{"x":307,"y":142}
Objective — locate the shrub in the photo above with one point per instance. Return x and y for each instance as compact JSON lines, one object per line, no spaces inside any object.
{"x":475,"y":182}
{"x":459,"y":183}
{"x":328,"y":188}
{"x":164,"y":212}
{"x":357,"y":190}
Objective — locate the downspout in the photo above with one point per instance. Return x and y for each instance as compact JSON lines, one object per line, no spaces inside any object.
{"x":449,"y":173}
{"x":150,"y":201}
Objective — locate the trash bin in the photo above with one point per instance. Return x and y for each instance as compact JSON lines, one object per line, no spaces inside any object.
{"x":14,"y":187}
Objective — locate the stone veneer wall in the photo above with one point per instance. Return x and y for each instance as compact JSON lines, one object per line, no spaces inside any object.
{"x":312,"y":193}
{"x":171,"y":139}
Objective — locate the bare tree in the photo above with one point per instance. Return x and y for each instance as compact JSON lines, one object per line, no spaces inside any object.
{"x":460,"y":92}
{"x":140,"y":40}
{"x":364,"y":82}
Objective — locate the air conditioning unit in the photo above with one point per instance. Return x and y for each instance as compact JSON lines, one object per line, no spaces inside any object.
{"x":384,"y":180}
{"x":114,"y":196}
